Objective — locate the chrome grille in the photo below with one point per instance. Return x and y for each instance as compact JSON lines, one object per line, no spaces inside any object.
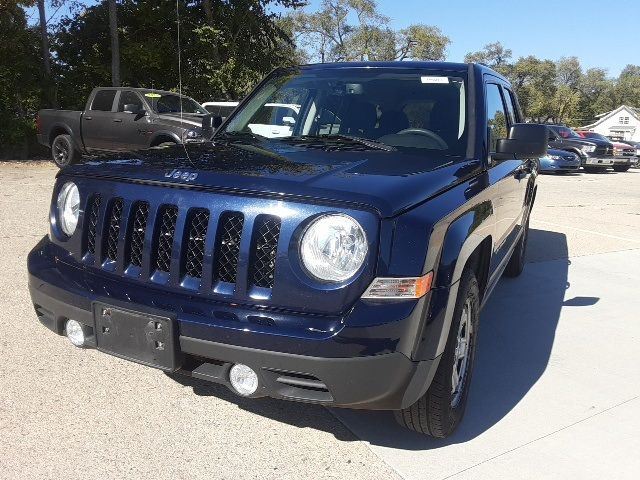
{"x":161,"y":225}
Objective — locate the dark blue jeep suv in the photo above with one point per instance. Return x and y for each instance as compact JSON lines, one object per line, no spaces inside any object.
{"x":333,"y":243}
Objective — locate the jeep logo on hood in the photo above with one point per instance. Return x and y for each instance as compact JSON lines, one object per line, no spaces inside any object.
{"x":181,"y":175}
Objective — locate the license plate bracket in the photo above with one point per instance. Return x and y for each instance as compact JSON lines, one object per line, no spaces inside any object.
{"x":140,"y":337}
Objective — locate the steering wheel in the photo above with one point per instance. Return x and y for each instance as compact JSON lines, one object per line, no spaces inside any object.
{"x":426,"y":133}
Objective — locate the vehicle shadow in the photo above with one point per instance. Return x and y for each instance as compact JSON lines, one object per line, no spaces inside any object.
{"x":517,"y":330}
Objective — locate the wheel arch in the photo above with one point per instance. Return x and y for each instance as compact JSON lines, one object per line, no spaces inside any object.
{"x":163,"y":136}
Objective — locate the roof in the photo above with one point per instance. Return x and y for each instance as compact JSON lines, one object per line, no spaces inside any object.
{"x":605,"y":116}
{"x":406,"y":64}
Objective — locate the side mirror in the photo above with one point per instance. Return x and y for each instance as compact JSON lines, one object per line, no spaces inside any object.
{"x":133,"y":108}
{"x":526,"y":140}
{"x":210,"y":124}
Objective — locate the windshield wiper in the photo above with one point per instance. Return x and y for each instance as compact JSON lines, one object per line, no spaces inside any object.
{"x":335,"y":141}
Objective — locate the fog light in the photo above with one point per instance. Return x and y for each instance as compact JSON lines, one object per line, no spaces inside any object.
{"x":243,"y":379}
{"x":75,"y":333}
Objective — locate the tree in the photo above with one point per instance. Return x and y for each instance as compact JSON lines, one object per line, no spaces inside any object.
{"x":354,"y":30}
{"x":494,"y":55}
{"x":115,"y":45}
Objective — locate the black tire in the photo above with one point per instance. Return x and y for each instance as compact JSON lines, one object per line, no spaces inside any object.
{"x":621,"y":168}
{"x":439,"y":411}
{"x":63,"y":152}
{"x":516,"y":263}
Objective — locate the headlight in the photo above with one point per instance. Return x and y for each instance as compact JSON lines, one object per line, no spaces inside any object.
{"x":333,"y":248}
{"x":588,"y":148}
{"x":68,"y":207}
{"x":191,"y":136}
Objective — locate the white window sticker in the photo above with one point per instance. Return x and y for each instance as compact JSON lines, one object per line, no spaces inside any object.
{"x":430,"y":79}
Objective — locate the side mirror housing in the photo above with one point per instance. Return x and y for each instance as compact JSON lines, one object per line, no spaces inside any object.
{"x":133,"y":108}
{"x":210,"y":124}
{"x":526,"y":140}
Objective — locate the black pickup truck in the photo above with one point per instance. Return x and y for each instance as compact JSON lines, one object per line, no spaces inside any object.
{"x":120,"y":120}
{"x":343,"y":264}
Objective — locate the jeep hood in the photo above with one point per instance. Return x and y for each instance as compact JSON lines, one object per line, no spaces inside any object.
{"x":387,"y":182}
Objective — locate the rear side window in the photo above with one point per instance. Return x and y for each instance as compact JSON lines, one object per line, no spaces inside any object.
{"x":129,"y":98}
{"x":103,"y":101}
{"x":496,"y":116}
{"x":213,"y":109}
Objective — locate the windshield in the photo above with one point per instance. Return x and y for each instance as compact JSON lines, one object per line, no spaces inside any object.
{"x":596,"y":135}
{"x":409,"y":110}
{"x":566,"y":132}
{"x":170,"y":103}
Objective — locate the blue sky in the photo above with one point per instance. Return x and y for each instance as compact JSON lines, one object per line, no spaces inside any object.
{"x":599,"y":36}
{"x":587,"y":29}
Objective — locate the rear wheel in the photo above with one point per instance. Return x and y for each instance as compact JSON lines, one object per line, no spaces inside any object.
{"x":621,"y":168}
{"x":63,"y":152}
{"x":439,"y":411}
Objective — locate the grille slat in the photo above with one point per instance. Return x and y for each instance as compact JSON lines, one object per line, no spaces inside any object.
{"x":138,"y":230}
{"x":168,"y":216}
{"x":114,"y":229}
{"x":228,"y":246}
{"x":92,"y":223}
{"x":198,"y":224}
{"x":265,"y":246}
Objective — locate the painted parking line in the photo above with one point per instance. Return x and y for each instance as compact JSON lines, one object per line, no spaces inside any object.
{"x":594,"y":232}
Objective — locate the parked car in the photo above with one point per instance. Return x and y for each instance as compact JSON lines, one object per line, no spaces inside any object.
{"x":559,"y":161}
{"x":119,"y":120}
{"x":595,"y":155}
{"x":343,"y":270}
{"x":623,"y":153}
{"x":221,"y":109}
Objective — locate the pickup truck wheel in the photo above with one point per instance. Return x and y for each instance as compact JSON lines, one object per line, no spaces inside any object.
{"x":516,"y":262}
{"x":439,"y":411}
{"x":62,"y":151}
{"x":621,"y":168}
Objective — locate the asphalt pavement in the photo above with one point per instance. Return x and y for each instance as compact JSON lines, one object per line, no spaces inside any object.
{"x":556,"y":392}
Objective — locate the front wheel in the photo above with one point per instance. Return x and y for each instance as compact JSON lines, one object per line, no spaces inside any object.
{"x":621,"y":168}
{"x":439,"y":411}
{"x":63,"y":152}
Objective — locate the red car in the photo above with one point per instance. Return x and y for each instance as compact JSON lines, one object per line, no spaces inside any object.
{"x":623,"y":152}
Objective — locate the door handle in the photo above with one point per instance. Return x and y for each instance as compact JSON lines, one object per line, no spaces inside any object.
{"x":88,"y":118}
{"x":117,"y":120}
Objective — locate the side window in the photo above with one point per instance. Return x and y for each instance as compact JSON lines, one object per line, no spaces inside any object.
{"x":496,"y":116}
{"x":512,"y":105}
{"x":103,"y":101}
{"x":128,"y":97}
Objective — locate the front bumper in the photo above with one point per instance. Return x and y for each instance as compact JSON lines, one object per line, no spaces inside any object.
{"x":623,"y":161}
{"x":560,"y":165}
{"x":389,"y":380}
{"x":602,"y":162}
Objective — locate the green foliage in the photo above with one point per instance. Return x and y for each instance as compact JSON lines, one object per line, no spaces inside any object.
{"x":561,"y":91}
{"x":354,"y":30}
{"x":226,"y":47}
{"x":20,"y":80}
